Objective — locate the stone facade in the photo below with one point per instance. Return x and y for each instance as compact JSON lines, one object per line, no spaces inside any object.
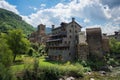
{"x":98,"y":43}
{"x":39,"y":36}
{"x":83,"y":51}
{"x":62,"y":45}
{"x":94,"y":40}
{"x":67,"y":42}
{"x":105,"y":44}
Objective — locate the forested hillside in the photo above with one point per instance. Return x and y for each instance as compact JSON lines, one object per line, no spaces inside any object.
{"x":10,"y":20}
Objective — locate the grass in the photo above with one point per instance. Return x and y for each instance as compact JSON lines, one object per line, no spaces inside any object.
{"x":22,"y":62}
{"x":63,"y":68}
{"x":66,"y":69}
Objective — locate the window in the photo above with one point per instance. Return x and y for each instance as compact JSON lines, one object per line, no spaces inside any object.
{"x":71,"y":25}
{"x":70,"y":30}
{"x":75,"y":31}
{"x":65,"y":42}
{"x":76,"y":37}
{"x":69,"y":42}
{"x":69,"y":54}
{"x":70,"y":36}
{"x":60,"y":57}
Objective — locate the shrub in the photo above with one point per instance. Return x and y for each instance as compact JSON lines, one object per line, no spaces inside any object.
{"x":30,"y":52}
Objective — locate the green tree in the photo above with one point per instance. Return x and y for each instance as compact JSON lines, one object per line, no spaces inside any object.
{"x":17,"y":42}
{"x":5,"y":60}
{"x":5,"y":53}
{"x":114,"y":46}
{"x":42,"y":49}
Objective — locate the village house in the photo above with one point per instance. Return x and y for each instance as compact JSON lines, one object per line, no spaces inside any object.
{"x":93,"y":44}
{"x":62,"y":44}
{"x":68,"y":42}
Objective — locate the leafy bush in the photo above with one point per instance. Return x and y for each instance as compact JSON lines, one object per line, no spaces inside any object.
{"x":5,"y":73}
{"x":112,"y":61}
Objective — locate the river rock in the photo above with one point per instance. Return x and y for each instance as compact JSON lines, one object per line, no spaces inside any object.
{"x":92,"y":79}
{"x":70,"y":78}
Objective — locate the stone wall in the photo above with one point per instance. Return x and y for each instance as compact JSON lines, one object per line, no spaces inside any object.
{"x":94,"y":40}
{"x":83,"y":52}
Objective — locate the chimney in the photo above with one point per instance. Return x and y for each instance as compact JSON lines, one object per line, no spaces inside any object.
{"x":53,"y":26}
{"x":116,"y":33}
{"x":104,"y":34}
{"x":73,"y":19}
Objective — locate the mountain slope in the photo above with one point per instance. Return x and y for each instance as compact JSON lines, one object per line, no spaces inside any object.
{"x":10,"y":20}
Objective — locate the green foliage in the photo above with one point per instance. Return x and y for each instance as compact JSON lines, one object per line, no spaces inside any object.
{"x":5,"y":53}
{"x":68,"y":69}
{"x":30,"y":52}
{"x":5,"y":73}
{"x":5,"y":60}
{"x":42,"y":49}
{"x":38,"y":49}
{"x":10,"y":20}
{"x":114,"y":46}
{"x":17,"y":42}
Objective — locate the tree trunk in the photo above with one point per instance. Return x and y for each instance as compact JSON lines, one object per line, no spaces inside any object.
{"x":14,"y":57}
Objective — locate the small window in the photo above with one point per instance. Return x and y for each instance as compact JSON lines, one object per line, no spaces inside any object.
{"x":76,"y":36}
{"x":69,"y":42}
{"x":75,"y":31}
{"x":69,"y":54}
{"x":71,"y":25}
{"x":70,"y":30}
{"x":70,"y":36}
{"x":65,"y":42}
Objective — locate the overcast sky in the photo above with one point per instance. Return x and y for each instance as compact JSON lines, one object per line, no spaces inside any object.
{"x":88,"y":13}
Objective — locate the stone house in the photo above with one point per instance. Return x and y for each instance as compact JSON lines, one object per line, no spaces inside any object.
{"x":39,"y":36}
{"x":62,"y":44}
{"x":67,"y":42}
{"x":92,"y":45}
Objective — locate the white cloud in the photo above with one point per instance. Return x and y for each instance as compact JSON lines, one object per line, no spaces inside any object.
{"x":34,"y":8}
{"x":43,"y":5}
{"x":86,"y":20}
{"x":91,"y":11}
{"x":108,"y":28}
{"x":7,"y":6}
{"x":87,"y":9}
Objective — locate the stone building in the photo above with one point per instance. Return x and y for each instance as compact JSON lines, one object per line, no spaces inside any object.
{"x":98,"y":43}
{"x":39,"y":36}
{"x":62,"y":44}
{"x":94,"y":40}
{"x":105,"y":44}
{"x":83,"y":50}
